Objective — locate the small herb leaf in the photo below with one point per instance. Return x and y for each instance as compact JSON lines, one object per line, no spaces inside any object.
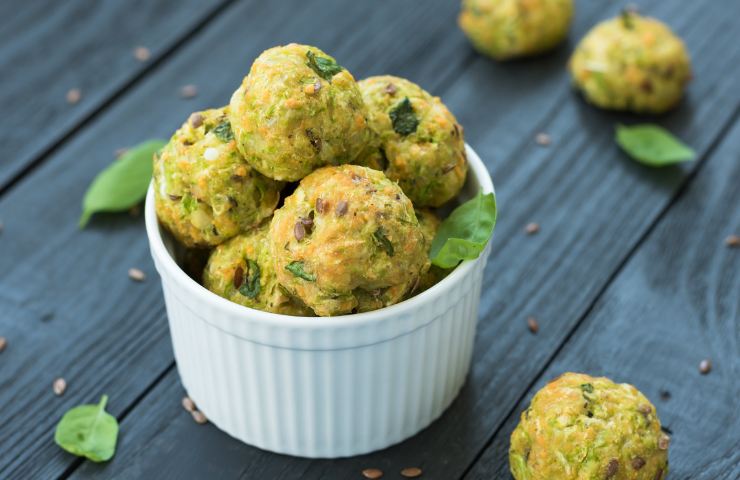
{"x":123,"y":183}
{"x":223,"y":131}
{"x":464,"y":234}
{"x":324,"y":67}
{"x":382,"y":241}
{"x":403,"y":117}
{"x":250,"y":288}
{"x":587,"y":388}
{"x":296,"y":268}
{"x":652,"y":145}
{"x":88,"y":431}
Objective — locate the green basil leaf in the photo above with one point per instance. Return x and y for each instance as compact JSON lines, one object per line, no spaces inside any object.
{"x":250,"y":288}
{"x":123,"y":183}
{"x":88,"y":431}
{"x":223,"y":131}
{"x":382,"y":241}
{"x":403,"y":117}
{"x":324,"y":67}
{"x":464,"y":234}
{"x":652,"y":145}
{"x":296,"y":268}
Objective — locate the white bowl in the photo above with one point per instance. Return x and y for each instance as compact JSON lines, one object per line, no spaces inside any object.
{"x":323,"y":387}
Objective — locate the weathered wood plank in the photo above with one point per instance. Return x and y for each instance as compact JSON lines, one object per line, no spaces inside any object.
{"x":68,"y":308}
{"x":49,"y":47}
{"x":675,"y":303}
{"x":579,"y":244}
{"x":594,"y":206}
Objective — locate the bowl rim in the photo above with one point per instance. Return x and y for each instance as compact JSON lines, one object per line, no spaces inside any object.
{"x":164,"y":260}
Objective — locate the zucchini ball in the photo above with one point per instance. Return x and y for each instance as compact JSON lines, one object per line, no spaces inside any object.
{"x":418,"y":142}
{"x":631,"y":63}
{"x":204,"y":190}
{"x":579,"y":427}
{"x":505,"y":29}
{"x":296,"y":111}
{"x":347,"y":240}
{"x":242,"y":271}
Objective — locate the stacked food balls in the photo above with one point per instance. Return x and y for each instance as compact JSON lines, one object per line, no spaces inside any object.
{"x":349,"y":238}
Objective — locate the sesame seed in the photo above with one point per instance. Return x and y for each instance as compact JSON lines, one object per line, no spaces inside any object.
{"x":188,"y":404}
{"x":136,"y":275}
{"x":705,"y":366}
{"x":411,"y":472}
{"x":543,"y":139}
{"x":199,"y":417}
{"x":74,"y":95}
{"x":188,"y":91}
{"x":210,"y":154}
{"x":531,"y":228}
{"x":196,"y":120}
{"x":59,"y":386}
{"x":372,"y":473}
{"x":142,"y":54}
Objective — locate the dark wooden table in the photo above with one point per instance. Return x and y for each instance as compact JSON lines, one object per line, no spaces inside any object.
{"x":629,"y":275}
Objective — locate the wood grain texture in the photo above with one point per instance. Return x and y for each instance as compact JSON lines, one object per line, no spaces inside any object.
{"x":674,"y":304}
{"x":50,"y":47}
{"x":69,"y":308}
{"x":594,"y":206}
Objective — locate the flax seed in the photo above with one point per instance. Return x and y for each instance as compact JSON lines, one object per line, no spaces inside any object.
{"x":531,"y":228}
{"x":733,"y":241}
{"x":136,"y":275}
{"x":74,"y":95}
{"x":199,"y":417}
{"x":705,"y":366}
{"x":188,"y":91}
{"x":543,"y":139}
{"x":59,"y":386}
{"x":532,"y":324}
{"x":411,"y":472}
{"x":372,"y":473}
{"x":142,"y":54}
{"x":188,"y":404}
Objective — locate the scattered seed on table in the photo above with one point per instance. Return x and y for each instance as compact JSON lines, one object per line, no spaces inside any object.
{"x":73,"y":96}
{"x":199,"y":417}
{"x":3,"y":343}
{"x":59,"y":386}
{"x":705,"y":366}
{"x":372,"y":473}
{"x":733,"y":241}
{"x":532,"y":324}
{"x":531,"y":228}
{"x":188,"y":91}
{"x":411,"y":472}
{"x":188,"y":404}
{"x":543,"y":139}
{"x":665,"y":395}
{"x":136,"y":275}
{"x":664,"y":441}
{"x":142,"y":54}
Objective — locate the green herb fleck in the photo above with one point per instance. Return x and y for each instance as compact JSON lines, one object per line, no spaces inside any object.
{"x":189,"y":204}
{"x":250,"y":288}
{"x":88,"y":431}
{"x":403,"y":117}
{"x":123,"y":183}
{"x":324,"y":67}
{"x":382,"y":241}
{"x":652,"y":145}
{"x":223,"y":131}
{"x":587,"y":388}
{"x":627,"y":19}
{"x":464,"y":234}
{"x":296,"y":268}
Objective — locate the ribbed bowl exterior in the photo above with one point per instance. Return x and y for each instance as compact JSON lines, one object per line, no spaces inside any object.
{"x":314,"y":387}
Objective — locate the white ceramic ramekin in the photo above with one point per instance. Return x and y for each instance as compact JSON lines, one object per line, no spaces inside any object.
{"x":323,"y":387}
